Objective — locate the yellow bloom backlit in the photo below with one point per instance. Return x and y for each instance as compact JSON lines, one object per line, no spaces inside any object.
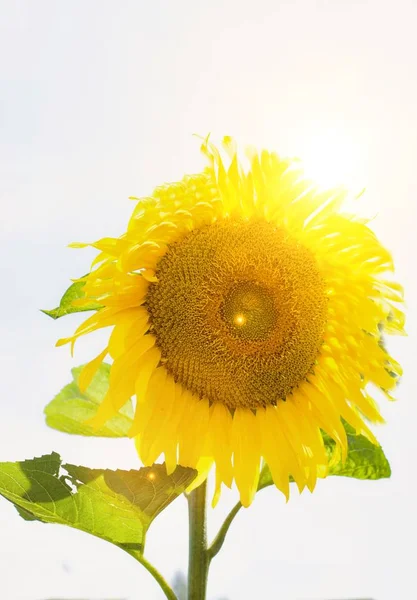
{"x":247,"y":315}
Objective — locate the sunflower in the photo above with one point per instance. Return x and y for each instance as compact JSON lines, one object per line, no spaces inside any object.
{"x":247,"y":316}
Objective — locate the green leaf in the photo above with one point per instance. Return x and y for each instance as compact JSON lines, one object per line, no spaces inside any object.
{"x":74,"y":292}
{"x":69,"y":410}
{"x":364,"y":460}
{"x":117,"y":506}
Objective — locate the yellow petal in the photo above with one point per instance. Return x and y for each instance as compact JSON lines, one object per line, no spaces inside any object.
{"x":220,"y":431}
{"x":246,"y":453}
{"x":90,"y":369}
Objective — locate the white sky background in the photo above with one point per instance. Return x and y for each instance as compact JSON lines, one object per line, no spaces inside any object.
{"x":99,"y":101}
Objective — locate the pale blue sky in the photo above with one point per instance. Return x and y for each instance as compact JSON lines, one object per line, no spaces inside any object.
{"x":99,"y":101}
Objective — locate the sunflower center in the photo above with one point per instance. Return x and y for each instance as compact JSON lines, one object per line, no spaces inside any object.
{"x":249,"y":311}
{"x":238,"y":311}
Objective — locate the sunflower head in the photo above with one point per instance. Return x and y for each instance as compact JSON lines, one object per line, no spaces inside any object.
{"x":247,"y":316}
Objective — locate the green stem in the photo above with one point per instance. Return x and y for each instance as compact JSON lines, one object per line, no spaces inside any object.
{"x":220,"y":537}
{"x":198,"y":560}
{"x":168,"y":591}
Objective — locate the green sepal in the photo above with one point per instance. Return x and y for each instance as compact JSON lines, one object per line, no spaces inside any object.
{"x":74,"y":292}
{"x":117,"y":506}
{"x":71,"y":408}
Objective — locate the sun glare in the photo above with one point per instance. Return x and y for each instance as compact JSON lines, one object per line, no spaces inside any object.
{"x":239,"y":319}
{"x":333,"y":158}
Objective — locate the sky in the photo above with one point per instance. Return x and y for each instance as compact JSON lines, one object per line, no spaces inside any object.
{"x":99,"y":100}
